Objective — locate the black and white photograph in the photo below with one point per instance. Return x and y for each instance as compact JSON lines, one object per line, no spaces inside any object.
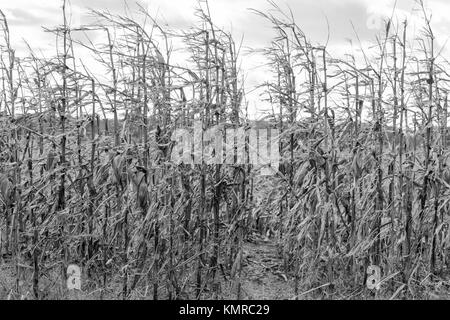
{"x":224,"y":150}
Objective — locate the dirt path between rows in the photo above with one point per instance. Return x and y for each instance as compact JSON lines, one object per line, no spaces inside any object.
{"x":262,"y":274}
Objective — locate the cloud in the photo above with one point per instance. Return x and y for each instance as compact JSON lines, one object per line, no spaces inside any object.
{"x":319,"y":19}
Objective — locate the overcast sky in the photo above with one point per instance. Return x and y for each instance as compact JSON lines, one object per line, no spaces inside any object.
{"x":26,"y":18}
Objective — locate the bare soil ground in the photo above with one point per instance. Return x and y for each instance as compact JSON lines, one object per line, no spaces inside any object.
{"x":262,"y":278}
{"x":263,"y":274}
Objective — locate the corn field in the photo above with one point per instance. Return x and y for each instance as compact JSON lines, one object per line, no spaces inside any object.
{"x":86,"y":175}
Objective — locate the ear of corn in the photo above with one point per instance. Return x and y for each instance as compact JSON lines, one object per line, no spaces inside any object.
{"x":86,"y":176}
